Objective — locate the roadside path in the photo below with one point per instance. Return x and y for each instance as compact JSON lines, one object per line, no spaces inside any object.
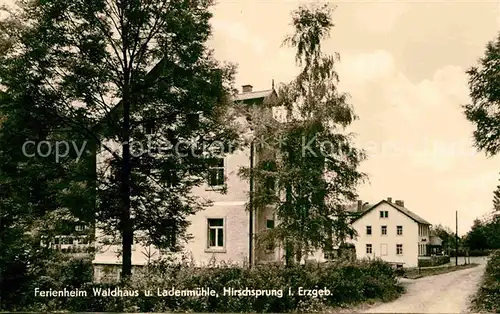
{"x":446,"y":293}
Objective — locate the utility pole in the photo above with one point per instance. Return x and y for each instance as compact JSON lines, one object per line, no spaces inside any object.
{"x":456,"y":238}
{"x":250,"y":205}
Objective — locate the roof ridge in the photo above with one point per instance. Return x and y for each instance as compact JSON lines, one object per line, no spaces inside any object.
{"x":256,"y":91}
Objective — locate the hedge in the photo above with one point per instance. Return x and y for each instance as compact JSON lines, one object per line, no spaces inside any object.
{"x":434,"y":261}
{"x":349,"y":283}
{"x":461,"y":253}
{"x":487,"y":298}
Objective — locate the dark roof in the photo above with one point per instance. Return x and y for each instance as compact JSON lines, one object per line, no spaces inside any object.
{"x":401,"y":209}
{"x":411,"y":214}
{"x":353,"y":207}
{"x":256,"y":97}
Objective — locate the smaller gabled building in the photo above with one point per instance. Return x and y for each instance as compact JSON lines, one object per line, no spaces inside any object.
{"x":391,"y":232}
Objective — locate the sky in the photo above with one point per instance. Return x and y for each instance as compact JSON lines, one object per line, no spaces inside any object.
{"x":403,"y":63}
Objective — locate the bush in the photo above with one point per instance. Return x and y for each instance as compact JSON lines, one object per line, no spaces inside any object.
{"x":434,"y":261}
{"x":68,"y":272}
{"x":488,"y":297}
{"x":348,"y":282}
{"x":462,"y":253}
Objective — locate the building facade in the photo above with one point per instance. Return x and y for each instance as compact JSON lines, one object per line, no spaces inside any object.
{"x":220,"y":232}
{"x":391,"y":232}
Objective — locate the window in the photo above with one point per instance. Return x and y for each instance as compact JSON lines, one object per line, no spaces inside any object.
{"x":80,"y":227}
{"x":270,"y":185}
{"x":171,"y":178}
{"x":67,"y":240}
{"x":368,"y":230}
{"x":171,"y":231}
{"x":193,"y":120}
{"x":383,"y":230}
{"x":422,"y":249}
{"x":270,"y":225}
{"x":269,"y":180}
{"x":368,"y":249}
{"x":399,"y":249}
{"x":399,"y":230}
{"x":330,"y":254}
{"x":381,"y":214}
{"x":386,"y":214}
{"x":216,"y":173}
{"x":383,"y":249}
{"x":150,"y":127}
{"x":216,"y":233}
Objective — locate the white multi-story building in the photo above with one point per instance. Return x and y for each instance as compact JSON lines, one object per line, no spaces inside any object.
{"x":219,"y":232}
{"x":389,"y":231}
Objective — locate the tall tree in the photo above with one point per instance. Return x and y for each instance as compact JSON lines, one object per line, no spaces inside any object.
{"x":309,"y":158}
{"x":484,"y":110}
{"x":476,"y":238}
{"x":496,"y":200}
{"x":121,"y":72}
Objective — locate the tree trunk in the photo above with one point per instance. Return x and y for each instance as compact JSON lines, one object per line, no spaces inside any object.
{"x":288,"y":253}
{"x":126,"y":222}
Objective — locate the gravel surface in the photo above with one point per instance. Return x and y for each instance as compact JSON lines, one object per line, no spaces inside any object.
{"x":446,"y":293}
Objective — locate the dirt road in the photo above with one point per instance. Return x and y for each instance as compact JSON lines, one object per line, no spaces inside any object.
{"x":446,"y":293}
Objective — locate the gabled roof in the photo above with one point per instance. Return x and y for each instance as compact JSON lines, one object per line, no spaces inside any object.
{"x":435,"y":240}
{"x":401,"y":209}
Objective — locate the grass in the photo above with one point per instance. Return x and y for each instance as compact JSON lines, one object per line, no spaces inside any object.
{"x":414,"y":273}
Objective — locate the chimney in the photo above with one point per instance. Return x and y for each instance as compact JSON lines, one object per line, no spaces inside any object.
{"x":389,"y":199}
{"x":246,"y":88}
{"x":360,"y":205}
{"x":400,"y":203}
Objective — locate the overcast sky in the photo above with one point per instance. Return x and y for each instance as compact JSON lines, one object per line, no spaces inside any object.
{"x":403,"y":64}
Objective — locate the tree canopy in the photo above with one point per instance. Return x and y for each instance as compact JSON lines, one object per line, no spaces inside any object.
{"x":314,"y":163}
{"x":124,"y":72}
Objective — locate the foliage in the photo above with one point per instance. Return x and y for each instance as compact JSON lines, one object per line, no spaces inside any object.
{"x":487,"y":298}
{"x":309,"y":157}
{"x":100,"y":71}
{"x":496,"y":201}
{"x":446,"y":235}
{"x":462,"y":253}
{"x":484,"y":235}
{"x":476,"y":237}
{"x":349,"y":283}
{"x":434,"y":261}
{"x":484,"y":109}
{"x":63,"y":272}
